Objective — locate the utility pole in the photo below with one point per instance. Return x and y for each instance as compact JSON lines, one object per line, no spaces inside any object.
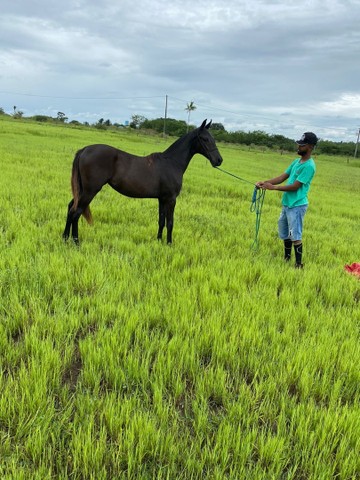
{"x":357,"y":144}
{"x":165,"y":116}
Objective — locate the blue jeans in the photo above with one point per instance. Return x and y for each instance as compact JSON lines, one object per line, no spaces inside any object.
{"x":291,"y":222}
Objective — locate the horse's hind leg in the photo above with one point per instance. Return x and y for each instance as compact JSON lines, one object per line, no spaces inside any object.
{"x":69,"y":218}
{"x":83,"y":203}
{"x":75,"y":226}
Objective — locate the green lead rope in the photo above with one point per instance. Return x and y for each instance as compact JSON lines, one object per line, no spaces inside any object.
{"x":256,"y":206}
{"x":257,"y":201}
{"x":235,"y":176}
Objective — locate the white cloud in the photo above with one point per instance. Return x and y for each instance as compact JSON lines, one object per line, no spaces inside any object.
{"x":347,"y":104}
{"x":245,"y":63}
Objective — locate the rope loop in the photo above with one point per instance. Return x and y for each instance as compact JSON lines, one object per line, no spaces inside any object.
{"x":257,"y":201}
{"x":256,"y":206}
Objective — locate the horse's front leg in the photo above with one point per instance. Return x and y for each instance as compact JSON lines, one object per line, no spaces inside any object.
{"x":170,"y":207}
{"x":161,"y":219}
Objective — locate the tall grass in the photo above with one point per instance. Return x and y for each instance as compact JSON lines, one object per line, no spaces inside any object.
{"x":127,"y":358}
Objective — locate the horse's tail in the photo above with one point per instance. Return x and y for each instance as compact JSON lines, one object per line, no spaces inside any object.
{"x":76,"y":187}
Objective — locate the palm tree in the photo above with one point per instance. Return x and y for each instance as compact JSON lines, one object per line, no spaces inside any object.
{"x":189,"y":108}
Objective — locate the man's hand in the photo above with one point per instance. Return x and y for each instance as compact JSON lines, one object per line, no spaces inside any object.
{"x":268,"y":186}
{"x":265,"y":185}
{"x":272,"y":182}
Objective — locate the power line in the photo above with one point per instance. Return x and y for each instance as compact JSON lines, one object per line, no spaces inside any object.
{"x":208,"y":107}
{"x":80,"y":98}
{"x":257,"y":115}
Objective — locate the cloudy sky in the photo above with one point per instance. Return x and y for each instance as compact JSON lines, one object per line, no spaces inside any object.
{"x":284,"y":67}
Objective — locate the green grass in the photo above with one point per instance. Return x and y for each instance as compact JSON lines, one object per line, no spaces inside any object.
{"x":127,"y":358}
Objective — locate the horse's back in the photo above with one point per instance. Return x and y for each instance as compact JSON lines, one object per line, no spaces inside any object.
{"x":98,"y":151}
{"x":102,"y":153}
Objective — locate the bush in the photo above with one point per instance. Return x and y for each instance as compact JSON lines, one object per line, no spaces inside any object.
{"x":41,"y":118}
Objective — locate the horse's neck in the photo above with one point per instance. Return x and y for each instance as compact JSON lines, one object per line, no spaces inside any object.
{"x":180,"y":152}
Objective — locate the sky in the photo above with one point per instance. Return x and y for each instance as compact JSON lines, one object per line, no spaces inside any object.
{"x":283,"y":67}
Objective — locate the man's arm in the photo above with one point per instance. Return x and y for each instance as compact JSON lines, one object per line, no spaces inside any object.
{"x":282,"y":188}
{"x":274,"y":181}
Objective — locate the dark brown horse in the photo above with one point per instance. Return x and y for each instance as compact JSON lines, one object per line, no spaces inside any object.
{"x":158,"y":175}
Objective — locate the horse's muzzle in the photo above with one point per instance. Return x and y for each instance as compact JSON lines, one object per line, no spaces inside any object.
{"x":216,"y":162}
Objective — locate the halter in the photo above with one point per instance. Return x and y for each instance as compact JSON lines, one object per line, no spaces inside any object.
{"x":202,"y":143}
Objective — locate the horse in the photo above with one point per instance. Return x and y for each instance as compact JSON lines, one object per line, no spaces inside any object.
{"x":158,"y":175}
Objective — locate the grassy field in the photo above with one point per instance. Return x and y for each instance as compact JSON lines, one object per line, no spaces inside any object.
{"x":129,"y":359}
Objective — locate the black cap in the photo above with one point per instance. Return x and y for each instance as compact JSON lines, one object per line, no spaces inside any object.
{"x":308,"y":138}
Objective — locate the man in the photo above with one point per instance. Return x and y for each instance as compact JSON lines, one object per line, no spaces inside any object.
{"x":294,"y":199}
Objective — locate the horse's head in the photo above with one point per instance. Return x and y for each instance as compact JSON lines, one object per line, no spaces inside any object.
{"x":206,"y":145}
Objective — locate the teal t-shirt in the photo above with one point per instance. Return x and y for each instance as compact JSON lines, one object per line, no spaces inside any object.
{"x":303,"y":172}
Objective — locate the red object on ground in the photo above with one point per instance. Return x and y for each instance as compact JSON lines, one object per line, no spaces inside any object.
{"x":354,"y":268}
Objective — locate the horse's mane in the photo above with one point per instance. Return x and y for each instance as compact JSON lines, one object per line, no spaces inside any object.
{"x":185,"y":138}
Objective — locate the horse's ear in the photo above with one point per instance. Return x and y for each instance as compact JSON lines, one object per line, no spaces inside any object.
{"x":203,"y":125}
{"x":209,"y":124}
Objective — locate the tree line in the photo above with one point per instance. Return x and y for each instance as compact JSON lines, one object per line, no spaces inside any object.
{"x":251,"y":138}
{"x":177,"y":128}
